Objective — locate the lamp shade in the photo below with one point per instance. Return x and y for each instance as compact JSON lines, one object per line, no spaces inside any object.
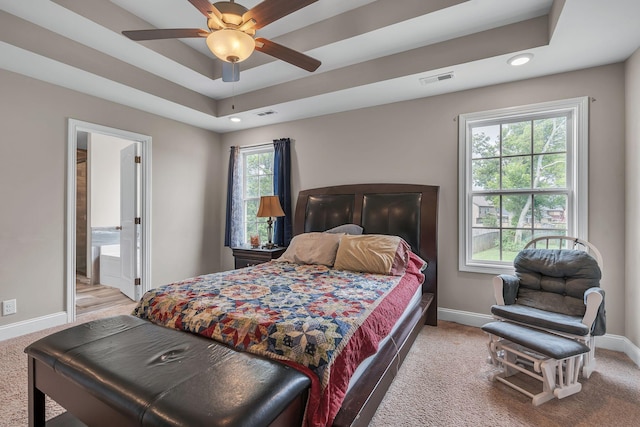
{"x":269,"y":206}
{"x":231,"y":45}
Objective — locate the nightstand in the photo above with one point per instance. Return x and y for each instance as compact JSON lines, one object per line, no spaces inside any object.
{"x":246,"y":256}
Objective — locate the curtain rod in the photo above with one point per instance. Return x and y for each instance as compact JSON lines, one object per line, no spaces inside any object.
{"x":264,"y":144}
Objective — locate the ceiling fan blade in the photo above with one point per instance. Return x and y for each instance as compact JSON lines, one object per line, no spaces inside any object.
{"x":288,"y":55}
{"x":206,"y":8}
{"x":271,"y":10}
{"x":155,"y":34}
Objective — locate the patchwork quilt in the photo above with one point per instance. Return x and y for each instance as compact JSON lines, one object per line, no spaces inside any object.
{"x":321,"y":321}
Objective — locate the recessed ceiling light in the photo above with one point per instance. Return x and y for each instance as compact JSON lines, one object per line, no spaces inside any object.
{"x":235,"y":119}
{"x":520,"y":59}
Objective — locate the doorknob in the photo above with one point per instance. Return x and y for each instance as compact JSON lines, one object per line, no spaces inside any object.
{"x":118,"y":227}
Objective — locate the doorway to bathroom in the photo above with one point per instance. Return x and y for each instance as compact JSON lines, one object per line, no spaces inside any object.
{"x":108,"y":254}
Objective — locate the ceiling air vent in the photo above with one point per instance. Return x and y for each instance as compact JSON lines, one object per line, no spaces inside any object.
{"x":266,"y":113}
{"x":438,"y":78}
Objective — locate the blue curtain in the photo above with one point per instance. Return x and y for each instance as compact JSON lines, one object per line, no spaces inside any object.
{"x":233,"y":224}
{"x":283,"y":230}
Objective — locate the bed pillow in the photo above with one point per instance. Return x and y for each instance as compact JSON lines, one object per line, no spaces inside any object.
{"x":354,"y":229}
{"x":312,"y":248}
{"x":373,"y":253}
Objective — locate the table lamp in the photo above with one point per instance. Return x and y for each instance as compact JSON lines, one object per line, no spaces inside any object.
{"x":269,"y":207}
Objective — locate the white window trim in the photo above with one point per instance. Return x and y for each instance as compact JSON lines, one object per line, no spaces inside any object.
{"x":577,"y":174}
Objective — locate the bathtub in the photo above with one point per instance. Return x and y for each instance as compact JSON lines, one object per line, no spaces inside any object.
{"x":110,"y":266}
{"x":100,"y":237}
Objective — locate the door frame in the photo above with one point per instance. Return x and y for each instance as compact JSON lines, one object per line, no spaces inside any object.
{"x":75,"y":126}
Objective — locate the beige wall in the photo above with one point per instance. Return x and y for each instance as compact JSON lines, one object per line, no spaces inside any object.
{"x":632,"y":295}
{"x":417,"y":142}
{"x":412,"y":142}
{"x":186,"y":191}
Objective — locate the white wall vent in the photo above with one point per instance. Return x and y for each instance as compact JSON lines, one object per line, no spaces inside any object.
{"x":266,"y":113}
{"x":437,"y":78}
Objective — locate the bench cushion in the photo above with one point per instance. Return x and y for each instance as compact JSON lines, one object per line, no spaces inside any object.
{"x":169,"y":377}
{"x":541,"y":318}
{"x":550,"y":345}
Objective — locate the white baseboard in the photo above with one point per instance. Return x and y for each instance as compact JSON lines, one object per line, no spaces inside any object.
{"x":464,"y":317}
{"x":612,"y":342}
{"x":632,"y":351}
{"x":32,"y":325}
{"x":607,"y":341}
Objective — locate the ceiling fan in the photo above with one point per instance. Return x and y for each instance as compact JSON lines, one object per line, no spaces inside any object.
{"x":232,"y":29}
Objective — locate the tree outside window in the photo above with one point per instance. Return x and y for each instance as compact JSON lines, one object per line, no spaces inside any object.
{"x":258,"y":181}
{"x":519,"y":181}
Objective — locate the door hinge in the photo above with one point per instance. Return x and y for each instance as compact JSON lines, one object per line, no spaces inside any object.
{"x":138,"y":159}
{"x":137,"y":220}
{"x":137,"y":281}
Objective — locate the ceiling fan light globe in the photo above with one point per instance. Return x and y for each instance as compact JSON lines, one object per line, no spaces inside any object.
{"x":231,"y":45}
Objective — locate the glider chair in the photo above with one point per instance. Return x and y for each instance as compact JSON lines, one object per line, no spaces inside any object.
{"x":547,"y":316}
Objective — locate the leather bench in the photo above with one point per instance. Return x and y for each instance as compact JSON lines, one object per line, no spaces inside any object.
{"x":164,"y":378}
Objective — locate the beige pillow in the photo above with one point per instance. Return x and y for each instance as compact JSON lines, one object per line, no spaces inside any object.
{"x":373,"y":253}
{"x":312,"y":248}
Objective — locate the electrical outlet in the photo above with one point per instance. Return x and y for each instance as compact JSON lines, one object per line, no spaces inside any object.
{"x":9,"y":307}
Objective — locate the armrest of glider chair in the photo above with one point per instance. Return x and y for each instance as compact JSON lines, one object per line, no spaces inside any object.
{"x":594,"y":316}
{"x":505,"y":289}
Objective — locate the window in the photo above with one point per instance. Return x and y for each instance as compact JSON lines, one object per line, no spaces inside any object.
{"x":523,"y":174}
{"x":257,"y":174}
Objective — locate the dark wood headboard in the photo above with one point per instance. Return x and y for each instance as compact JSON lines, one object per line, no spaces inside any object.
{"x":406,"y":210}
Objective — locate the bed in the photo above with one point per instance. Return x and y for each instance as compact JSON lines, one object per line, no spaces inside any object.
{"x":406,"y":211}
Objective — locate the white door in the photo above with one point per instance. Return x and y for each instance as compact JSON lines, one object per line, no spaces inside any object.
{"x":129,"y":245}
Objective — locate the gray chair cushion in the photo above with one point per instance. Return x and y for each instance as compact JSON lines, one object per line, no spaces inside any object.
{"x":541,"y":318}
{"x":555,"y":280}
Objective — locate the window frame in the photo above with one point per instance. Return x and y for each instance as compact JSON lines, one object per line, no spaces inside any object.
{"x":244,"y":153}
{"x":577,"y":172}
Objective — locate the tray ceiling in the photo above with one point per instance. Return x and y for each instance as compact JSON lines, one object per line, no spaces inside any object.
{"x":372,"y":52}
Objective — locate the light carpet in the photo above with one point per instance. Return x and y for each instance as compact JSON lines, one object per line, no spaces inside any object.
{"x":13,"y":368}
{"x":443,"y":382}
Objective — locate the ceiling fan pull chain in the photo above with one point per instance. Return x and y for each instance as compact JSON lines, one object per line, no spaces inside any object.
{"x":233,"y":91}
